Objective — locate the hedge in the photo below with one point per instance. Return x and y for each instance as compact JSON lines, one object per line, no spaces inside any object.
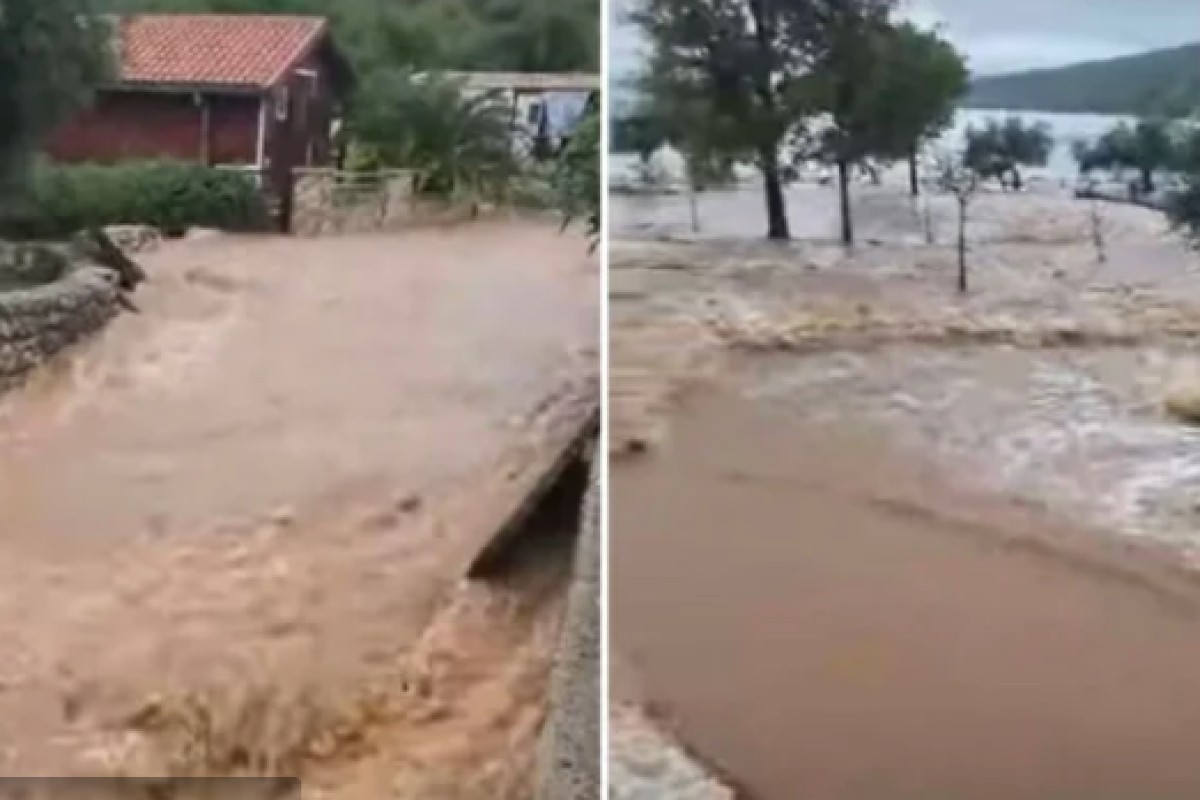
{"x":171,"y":196}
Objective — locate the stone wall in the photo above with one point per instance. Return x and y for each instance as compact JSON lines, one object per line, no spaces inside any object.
{"x":569,"y":761}
{"x":328,"y":201}
{"x":45,"y":312}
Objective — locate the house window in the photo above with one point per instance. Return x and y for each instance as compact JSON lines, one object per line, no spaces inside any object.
{"x":281,"y":101}
{"x":312,"y":79}
{"x":535,"y":113}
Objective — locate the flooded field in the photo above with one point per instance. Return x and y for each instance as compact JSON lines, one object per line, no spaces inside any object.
{"x":1047,"y":381}
{"x":1083,"y":432}
{"x":882,"y":441}
{"x":234,"y":526}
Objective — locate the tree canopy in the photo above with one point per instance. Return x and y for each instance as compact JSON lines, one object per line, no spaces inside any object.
{"x":1183,"y":206}
{"x":579,"y":176}
{"x":893,"y":88}
{"x":836,"y":80}
{"x":51,"y":56}
{"x":503,"y":35}
{"x":756,"y":75}
{"x":1147,"y":147}
{"x":743,"y":60}
{"x":999,"y":149}
{"x":921,"y":79}
{"x":848,"y":82}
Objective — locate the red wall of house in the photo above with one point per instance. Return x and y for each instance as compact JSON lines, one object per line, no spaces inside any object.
{"x":233,"y":127}
{"x":140,"y":125}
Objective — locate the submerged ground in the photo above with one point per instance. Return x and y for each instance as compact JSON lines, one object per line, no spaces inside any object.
{"x":853,"y":405}
{"x":234,"y":526}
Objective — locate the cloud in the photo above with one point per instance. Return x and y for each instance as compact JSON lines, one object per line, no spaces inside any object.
{"x":1021,"y":51}
{"x":923,"y":14}
{"x":1009,"y":35}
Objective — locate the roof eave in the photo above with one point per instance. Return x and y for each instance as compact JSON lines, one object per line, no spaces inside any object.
{"x":185,"y":87}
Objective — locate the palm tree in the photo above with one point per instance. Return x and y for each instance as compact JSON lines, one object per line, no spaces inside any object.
{"x":455,"y":140}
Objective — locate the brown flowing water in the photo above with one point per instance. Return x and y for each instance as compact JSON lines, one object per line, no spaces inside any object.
{"x":819,"y":616}
{"x":874,"y":539}
{"x":232,"y":526}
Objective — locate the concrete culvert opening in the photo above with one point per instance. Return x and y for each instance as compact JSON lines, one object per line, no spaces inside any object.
{"x":554,"y":501}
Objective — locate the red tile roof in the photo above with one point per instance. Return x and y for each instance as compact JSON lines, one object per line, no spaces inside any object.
{"x":214,"y":49}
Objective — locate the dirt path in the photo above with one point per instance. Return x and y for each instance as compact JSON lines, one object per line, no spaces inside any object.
{"x":226,"y":522}
{"x":821,"y":617}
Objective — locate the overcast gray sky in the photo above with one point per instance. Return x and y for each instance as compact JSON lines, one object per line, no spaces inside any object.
{"x":1010,"y":35}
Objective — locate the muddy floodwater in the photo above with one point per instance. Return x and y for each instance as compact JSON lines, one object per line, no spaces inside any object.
{"x":873,"y":539}
{"x":818,"y":617}
{"x":234,"y":525}
{"x":1083,"y":432}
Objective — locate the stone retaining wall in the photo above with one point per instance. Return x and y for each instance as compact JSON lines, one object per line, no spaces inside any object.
{"x":569,"y":760}
{"x":39,"y":321}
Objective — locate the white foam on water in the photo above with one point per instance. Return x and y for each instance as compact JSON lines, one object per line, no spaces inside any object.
{"x":1042,"y":426}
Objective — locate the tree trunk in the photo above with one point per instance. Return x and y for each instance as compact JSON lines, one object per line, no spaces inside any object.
{"x":1017,"y":183}
{"x":843,"y":169}
{"x":777,"y":222}
{"x":927,"y":219}
{"x":1098,"y":232}
{"x":1147,"y":181}
{"x":914,"y":181}
{"x":694,"y":205}
{"x":962,"y":247}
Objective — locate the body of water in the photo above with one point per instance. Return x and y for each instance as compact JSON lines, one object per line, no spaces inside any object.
{"x":1066,"y":129}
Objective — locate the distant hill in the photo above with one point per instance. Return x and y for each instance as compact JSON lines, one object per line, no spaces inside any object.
{"x":1157,"y":82}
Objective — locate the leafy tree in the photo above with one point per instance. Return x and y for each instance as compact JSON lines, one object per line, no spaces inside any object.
{"x":998,"y":150}
{"x":673,"y":112}
{"x":1183,"y":206}
{"x":457,"y":141}
{"x":579,"y":176}
{"x":1085,"y":156}
{"x":1153,"y":150}
{"x":887,"y":89}
{"x":640,"y":132}
{"x":922,"y":79}
{"x":538,"y":35}
{"x":1183,"y":209}
{"x":746,"y":59}
{"x":1147,"y":148}
{"x":853,"y":41}
{"x":51,"y":56}
{"x":1187,"y":153}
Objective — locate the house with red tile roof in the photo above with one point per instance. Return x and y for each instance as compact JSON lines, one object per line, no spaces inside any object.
{"x":254,"y":91}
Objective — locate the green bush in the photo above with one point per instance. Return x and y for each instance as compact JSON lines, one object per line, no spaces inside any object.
{"x":579,"y":175}
{"x":171,"y":196}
